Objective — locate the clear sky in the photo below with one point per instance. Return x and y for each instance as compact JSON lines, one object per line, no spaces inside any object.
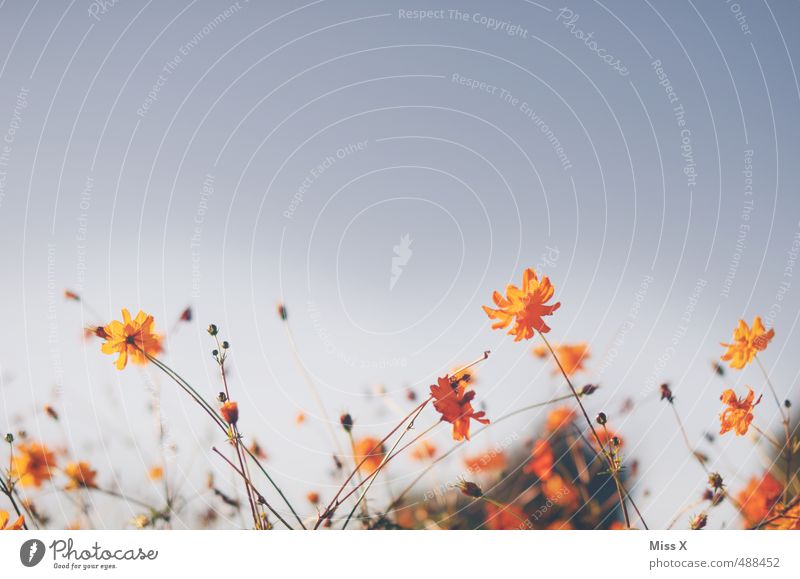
{"x":382,"y":167}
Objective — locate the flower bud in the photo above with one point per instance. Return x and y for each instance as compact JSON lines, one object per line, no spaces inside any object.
{"x":9,"y":437}
{"x":589,"y":389}
{"x":347,"y":422}
{"x":666,"y":393}
{"x":212,"y":329}
{"x":601,"y":418}
{"x":699,"y":522}
{"x":470,"y":489}
{"x":282,"y":312}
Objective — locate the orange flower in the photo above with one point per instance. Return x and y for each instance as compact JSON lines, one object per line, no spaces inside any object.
{"x":507,"y":518}
{"x":560,"y":492}
{"x":559,"y":417}
{"x":487,"y":462}
{"x":747,"y":342}
{"x":739,"y":413}
{"x":425,"y":450}
{"x":131,"y":338}
{"x":571,"y":356}
{"x":256,"y":449}
{"x":541,"y":463}
{"x":230,"y":412}
{"x":455,"y":404}
{"x":155,"y":473}
{"x":758,"y":498}
{"x":313,"y":497}
{"x":32,"y":464}
{"x":300,"y":418}
{"x":524,"y":306}
{"x":17,"y":525}
{"x":80,"y":475}
{"x":372,"y":449}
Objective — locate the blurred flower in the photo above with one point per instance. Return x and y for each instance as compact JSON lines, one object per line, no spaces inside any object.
{"x":300,"y":418}
{"x":370,"y":449}
{"x":454,"y":403}
{"x":786,"y":519}
{"x":132,"y":338}
{"x":282,"y":311}
{"x":559,"y":417}
{"x":32,"y":464}
{"x":747,"y":342}
{"x":698,"y":522}
{"x":51,"y":412}
{"x":739,"y":413}
{"x":541,"y":462}
{"x":17,"y":525}
{"x":489,"y":461}
{"x":571,"y":356}
{"x":186,"y":315}
{"x":758,"y":498}
{"x":560,"y":492}
{"x":71,"y":295}
{"x":80,"y":475}
{"x":256,"y":449}
{"x":505,"y":518}
{"x":313,"y":497}
{"x":524,"y":306}
{"x":141,"y":521}
{"x":425,"y":450}
{"x":155,"y":473}
{"x":230,"y":412}
{"x":560,"y":525}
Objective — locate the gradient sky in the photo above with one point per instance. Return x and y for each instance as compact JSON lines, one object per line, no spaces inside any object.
{"x":230,"y":156}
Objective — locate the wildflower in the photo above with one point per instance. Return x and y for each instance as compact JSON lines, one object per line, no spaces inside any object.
{"x":487,"y":462}
{"x":559,"y":492}
{"x":80,"y":475}
{"x":17,"y":525}
{"x":131,"y":338}
{"x":371,"y":451}
{"x":559,"y":418}
{"x":524,"y":306}
{"x":739,"y":413}
{"x":505,"y":518}
{"x":32,"y":464}
{"x":454,"y":403}
{"x":571,"y":356}
{"x":230,"y":412}
{"x":469,"y":489}
{"x":155,"y":473}
{"x":541,"y":462}
{"x":313,"y":497}
{"x":425,"y":450}
{"x":747,"y":342}
{"x":715,"y":481}
{"x":757,"y":499}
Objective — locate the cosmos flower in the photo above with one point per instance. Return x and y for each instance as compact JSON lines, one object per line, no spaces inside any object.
{"x":313,"y":497}
{"x":80,"y":475}
{"x":230,"y":412}
{"x":155,"y":473}
{"x":454,"y":402}
{"x":747,"y":342}
{"x":739,"y":413}
{"x":757,"y":500}
{"x":571,"y":356}
{"x":490,"y":461}
{"x":560,"y":492}
{"x":559,"y":418}
{"x":372,"y":449}
{"x":541,"y":462}
{"x":425,"y":450}
{"x":33,"y":464}
{"x":17,"y":525}
{"x":524,"y":306}
{"x":131,"y":338}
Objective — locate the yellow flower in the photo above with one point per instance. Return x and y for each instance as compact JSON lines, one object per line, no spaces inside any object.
{"x":524,"y":306}
{"x":739,"y":413}
{"x":80,"y":475}
{"x":747,"y":342}
{"x":33,"y":464}
{"x":131,"y":338}
{"x":17,"y":525}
